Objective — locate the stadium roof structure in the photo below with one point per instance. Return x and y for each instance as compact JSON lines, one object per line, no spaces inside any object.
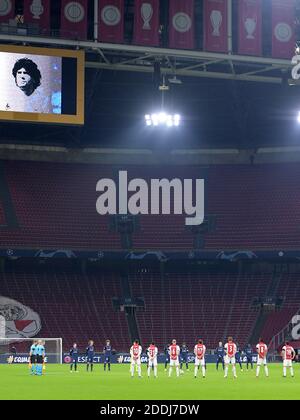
{"x":227,"y":100}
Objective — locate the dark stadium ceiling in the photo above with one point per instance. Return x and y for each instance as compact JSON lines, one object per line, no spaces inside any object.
{"x":225,"y":102}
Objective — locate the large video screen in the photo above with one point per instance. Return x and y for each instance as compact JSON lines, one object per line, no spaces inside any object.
{"x":41,"y":85}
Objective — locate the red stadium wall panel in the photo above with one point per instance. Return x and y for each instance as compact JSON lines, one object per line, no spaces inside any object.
{"x":250,"y":27}
{"x":111,"y":21}
{"x":181,"y":24}
{"x":215,"y":26}
{"x":283,"y":28}
{"x":146,"y":22}
{"x":74,"y":19}
{"x":7,"y":10}
{"x":38,"y":14}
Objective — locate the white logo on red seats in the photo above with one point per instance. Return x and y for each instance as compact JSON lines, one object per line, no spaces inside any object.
{"x":20,"y":320}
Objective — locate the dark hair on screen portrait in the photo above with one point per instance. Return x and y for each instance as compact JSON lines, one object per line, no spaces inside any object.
{"x":31,"y":68}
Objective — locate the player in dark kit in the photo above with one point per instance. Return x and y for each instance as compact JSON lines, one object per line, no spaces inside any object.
{"x":74,"y":354}
{"x":220,"y":353}
{"x":238,"y":357}
{"x":249,"y":353}
{"x":184,"y":354}
{"x":107,"y":350}
{"x":167,"y":355}
{"x":90,"y":353}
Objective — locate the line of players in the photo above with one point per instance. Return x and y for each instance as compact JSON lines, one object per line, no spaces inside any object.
{"x":229,"y":352}
{"x":90,"y":354}
{"x":175,"y":357}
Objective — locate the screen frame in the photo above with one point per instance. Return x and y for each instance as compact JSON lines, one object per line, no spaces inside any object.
{"x":33,"y":117}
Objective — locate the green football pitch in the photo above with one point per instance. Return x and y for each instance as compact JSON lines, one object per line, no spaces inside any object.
{"x":59,"y":383}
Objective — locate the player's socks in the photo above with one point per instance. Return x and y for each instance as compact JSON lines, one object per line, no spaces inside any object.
{"x":149,"y":370}
{"x":92,"y":366}
{"x":267,"y":371}
{"x":155,"y":372}
{"x":257,"y":371}
{"x":132,"y":371}
{"x":139,"y":372}
{"x":203,"y":372}
{"x":87,"y":367}
{"x":234,"y":371}
{"x":292,"y":372}
{"x":109,"y":367}
{"x":170,"y":372}
{"x":177,"y":371}
{"x":284,"y":372}
{"x":196,"y":372}
{"x":226,"y":372}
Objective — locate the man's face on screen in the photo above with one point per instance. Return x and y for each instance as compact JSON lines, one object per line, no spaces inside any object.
{"x":23,"y":79}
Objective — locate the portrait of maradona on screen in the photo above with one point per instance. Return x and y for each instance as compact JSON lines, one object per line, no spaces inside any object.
{"x":26,"y":89}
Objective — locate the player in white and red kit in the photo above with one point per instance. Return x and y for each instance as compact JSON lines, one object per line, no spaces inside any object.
{"x":152,"y":359}
{"x":174,"y":357}
{"x":230,"y":350}
{"x":288,"y":354}
{"x":135,"y":353}
{"x":262,"y":351}
{"x":199,"y":352}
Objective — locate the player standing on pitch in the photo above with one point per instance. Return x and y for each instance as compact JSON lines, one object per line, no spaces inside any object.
{"x":174,"y":357}
{"x":184,"y":357}
{"x":248,"y":352}
{"x":238,"y":357}
{"x":288,"y":355}
{"x":32,"y":357}
{"x":107,"y":350}
{"x":135,"y":353}
{"x":167,"y":356}
{"x":199,"y":352}
{"x":230,"y":352}
{"x":220,"y":353}
{"x":262,"y":351}
{"x":90,"y":353}
{"x":74,"y":354}
{"x":152,"y":352}
{"x":40,"y":357}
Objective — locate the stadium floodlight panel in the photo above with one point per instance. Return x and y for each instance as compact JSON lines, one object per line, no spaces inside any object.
{"x":298,"y":117}
{"x":163,"y":119}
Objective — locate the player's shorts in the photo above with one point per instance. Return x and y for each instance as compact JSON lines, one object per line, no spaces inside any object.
{"x":152,"y":362}
{"x":174,"y":362}
{"x":199,"y":362}
{"x":75,"y":360}
{"x":39,"y":359}
{"x":287,"y":363}
{"x":261,"y":361}
{"x":136,"y":362}
{"x":90,"y":359}
{"x":167,"y":359}
{"x":33,"y":359}
{"x":229,"y":360}
{"x":107,"y":359}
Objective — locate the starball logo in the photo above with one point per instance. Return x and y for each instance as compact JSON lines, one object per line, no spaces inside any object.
{"x":157,"y":197}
